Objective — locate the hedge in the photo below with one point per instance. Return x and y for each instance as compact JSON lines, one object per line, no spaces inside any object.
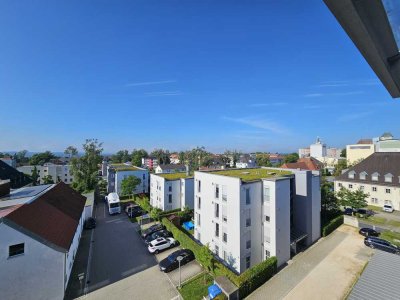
{"x":332,"y":225}
{"x":247,"y":282}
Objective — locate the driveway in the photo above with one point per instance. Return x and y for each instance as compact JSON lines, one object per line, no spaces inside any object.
{"x":326,"y":270}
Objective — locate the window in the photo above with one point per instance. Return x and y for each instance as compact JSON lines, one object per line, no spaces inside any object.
{"x":169,"y":198}
{"x":361,"y":187}
{"x":267,"y":254}
{"x":350,"y":186}
{"x":351,"y":174}
{"x":388,"y":177}
{"x":340,"y":185}
{"x":225,"y":255}
{"x":248,"y":259}
{"x":216,"y":210}
{"x":266,"y":194}
{"x":15,"y":250}
{"x":198,"y":220}
{"x":375,"y":176}
{"x":66,"y":180}
{"x":224,"y":213}
{"x":387,"y":191}
{"x":267,"y":218}
{"x":363,"y":175}
{"x":199,"y":203}
{"x":374,"y":189}
{"x":248,"y":244}
{"x":217,"y":191}
{"x":248,"y":222}
{"x":374,"y":200}
{"x":216,"y":229}
{"x":216,"y":250}
{"x":248,"y":196}
{"x":70,"y":180}
{"x":225,"y":237}
{"x":66,"y":175}
{"x":170,"y":189}
{"x":224,"y":194}
{"x":199,"y":186}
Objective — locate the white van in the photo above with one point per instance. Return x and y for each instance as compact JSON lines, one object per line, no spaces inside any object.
{"x":388,"y":208}
{"x":113,"y":203}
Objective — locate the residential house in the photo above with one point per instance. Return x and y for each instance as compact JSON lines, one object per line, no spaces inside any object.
{"x":248,"y":215}
{"x":172,"y":191}
{"x":276,"y":159}
{"x":174,"y":158}
{"x":304,"y":152}
{"x":40,"y":229}
{"x":305,"y":163}
{"x":170,"y":168}
{"x":118,"y":172}
{"x":246,"y":161}
{"x":56,"y":172}
{"x":378,"y":175}
{"x":17,"y":179}
{"x":149,"y":163}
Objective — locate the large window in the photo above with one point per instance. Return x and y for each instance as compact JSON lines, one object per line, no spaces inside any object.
{"x":199,"y":186}
{"x":216,"y":229}
{"x":169,"y":198}
{"x":199,"y":203}
{"x":248,"y":261}
{"x":216,"y":210}
{"x":16,"y":249}
{"x":217,"y":191}
{"x":225,"y":237}
{"x":224,"y":193}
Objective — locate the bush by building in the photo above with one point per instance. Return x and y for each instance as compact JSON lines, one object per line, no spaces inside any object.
{"x":332,"y":225}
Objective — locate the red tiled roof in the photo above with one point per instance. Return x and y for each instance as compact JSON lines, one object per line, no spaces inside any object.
{"x":53,"y":216}
{"x":306,"y":163}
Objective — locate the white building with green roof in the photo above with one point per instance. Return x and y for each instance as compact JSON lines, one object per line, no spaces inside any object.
{"x":171,"y":191}
{"x":118,"y":172}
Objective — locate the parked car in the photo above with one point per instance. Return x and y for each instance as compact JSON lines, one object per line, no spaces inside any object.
{"x":171,"y":263}
{"x":368,"y":232}
{"x":348,"y":211}
{"x":388,"y":208}
{"x":152,"y":229}
{"x":363,"y":212}
{"x":134,"y":211}
{"x":162,"y":233}
{"x":374,"y":242}
{"x":90,"y":223}
{"x":161,"y":244}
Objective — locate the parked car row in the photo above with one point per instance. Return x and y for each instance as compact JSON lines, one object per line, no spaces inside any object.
{"x":134,"y":210}
{"x":381,"y":244}
{"x":363,"y":212}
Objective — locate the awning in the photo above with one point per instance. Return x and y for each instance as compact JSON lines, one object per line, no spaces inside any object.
{"x":297,"y":236}
{"x":214,"y":291}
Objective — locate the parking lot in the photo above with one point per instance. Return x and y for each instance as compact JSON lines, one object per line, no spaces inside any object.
{"x":120,"y":266}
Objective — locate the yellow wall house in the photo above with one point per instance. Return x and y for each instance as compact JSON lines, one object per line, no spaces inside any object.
{"x":359,"y":151}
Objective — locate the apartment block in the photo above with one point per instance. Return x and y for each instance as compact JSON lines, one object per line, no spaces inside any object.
{"x":57,"y":172}
{"x":118,"y":172}
{"x":171,"y":191}
{"x":248,"y":215}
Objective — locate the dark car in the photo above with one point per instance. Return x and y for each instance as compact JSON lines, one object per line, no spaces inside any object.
{"x":90,"y":223}
{"x":368,"y":232}
{"x":364,"y":212}
{"x":152,"y":229}
{"x":134,"y":211}
{"x":348,"y":211}
{"x":381,"y":244}
{"x":162,"y":233}
{"x":171,"y":262}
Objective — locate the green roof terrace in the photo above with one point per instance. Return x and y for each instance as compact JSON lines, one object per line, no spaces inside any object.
{"x":175,"y":176}
{"x":247,"y":175}
{"x":124,"y":167}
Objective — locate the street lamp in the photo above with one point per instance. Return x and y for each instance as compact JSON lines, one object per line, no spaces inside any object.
{"x":179,"y":259}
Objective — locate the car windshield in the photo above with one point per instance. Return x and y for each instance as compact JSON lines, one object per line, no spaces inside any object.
{"x":387,"y":206}
{"x":114,"y":205}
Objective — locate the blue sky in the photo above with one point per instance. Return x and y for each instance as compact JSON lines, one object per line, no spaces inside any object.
{"x":265,"y":76}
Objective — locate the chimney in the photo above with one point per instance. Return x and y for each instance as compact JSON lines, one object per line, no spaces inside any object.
{"x":4,"y":187}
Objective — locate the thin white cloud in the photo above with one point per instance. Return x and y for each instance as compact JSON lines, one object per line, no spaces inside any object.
{"x":165,"y":93}
{"x":354,"y":116}
{"x":259,"y":123}
{"x":268,"y":104}
{"x":150,"y":82}
{"x":313,"y":95}
{"x":356,"y":82}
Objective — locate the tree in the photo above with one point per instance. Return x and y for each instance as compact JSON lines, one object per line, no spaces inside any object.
{"x":343,"y":153}
{"x":291,"y":158}
{"x":155,"y":213}
{"x":48,"y":179}
{"x":129,"y":184}
{"x":85,"y":168}
{"x":41,"y":158}
{"x":329,"y":202}
{"x":71,"y":151}
{"x":354,"y":199}
{"x":205,"y":257}
{"x":341,"y":165}
{"x":20,"y":157}
{"x":121,"y":156}
{"x":262,"y":160}
{"x":234,"y":156}
{"x":35,"y":176}
{"x":137,"y":155}
{"x":161,"y":155}
{"x":181,"y":157}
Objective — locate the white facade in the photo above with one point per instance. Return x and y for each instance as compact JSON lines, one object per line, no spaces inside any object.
{"x":318,"y":149}
{"x":115,"y":177}
{"x":168,"y":194}
{"x":245,"y":223}
{"x":304,"y":152}
{"x":162,"y":169}
{"x":357,"y":152}
{"x":57,"y":172}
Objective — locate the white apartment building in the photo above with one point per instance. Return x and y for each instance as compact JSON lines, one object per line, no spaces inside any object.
{"x":118,"y":172}
{"x":57,"y":172}
{"x":318,"y":149}
{"x":169,"y":169}
{"x":304,"y":152}
{"x":378,"y":175}
{"x":39,"y":239}
{"x":171,"y":191}
{"x":249,"y":215}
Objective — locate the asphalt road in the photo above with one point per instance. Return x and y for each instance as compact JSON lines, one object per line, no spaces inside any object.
{"x":117,"y":250}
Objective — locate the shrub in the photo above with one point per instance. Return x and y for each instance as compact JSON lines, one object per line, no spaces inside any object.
{"x":247,"y":282}
{"x":332,"y":225}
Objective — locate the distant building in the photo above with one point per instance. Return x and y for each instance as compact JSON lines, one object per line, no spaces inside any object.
{"x":304,"y":152}
{"x":149,"y":163}
{"x":378,"y":175}
{"x":276,"y":159}
{"x":57,"y":172}
{"x":17,"y":178}
{"x":246,"y":161}
{"x":359,"y":151}
{"x":171,"y":191}
{"x":174,"y":159}
{"x":170,"y":168}
{"x":387,"y":143}
{"x":318,"y":149}
{"x":248,"y":215}
{"x":40,"y":229}
{"x":306,"y":163}
{"x":9,"y":161}
{"x":118,"y":172}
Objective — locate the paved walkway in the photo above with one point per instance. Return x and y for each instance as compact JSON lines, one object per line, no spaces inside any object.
{"x":325,"y":270}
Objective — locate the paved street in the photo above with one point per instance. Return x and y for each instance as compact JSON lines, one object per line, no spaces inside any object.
{"x":329,"y":267}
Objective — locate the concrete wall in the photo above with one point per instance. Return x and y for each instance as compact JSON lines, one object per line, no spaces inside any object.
{"x":36,"y":274}
{"x":358,"y":152}
{"x":70,"y":256}
{"x":187,"y":193}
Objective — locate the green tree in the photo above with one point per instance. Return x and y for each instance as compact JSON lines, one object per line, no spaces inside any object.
{"x":181,"y":157}
{"x":234,"y":156}
{"x":48,"y":179}
{"x":20,"y":157}
{"x":329,"y":202}
{"x":155,"y":213}
{"x":35,"y":176}
{"x":41,"y":158}
{"x":129,"y":184}
{"x":121,"y":156}
{"x":206,"y":258}
{"x":137,"y":155}
{"x":341,"y":165}
{"x":161,"y":155}
{"x":343,"y":153}
{"x":85,"y":168}
{"x":291,"y":158}
{"x":354,"y":199}
{"x":71,"y":151}
{"x":262,"y":160}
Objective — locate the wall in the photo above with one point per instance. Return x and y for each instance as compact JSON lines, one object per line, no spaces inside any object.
{"x":359,"y":151}
{"x":141,"y":188}
{"x":37,"y":274}
{"x":187,"y":190}
{"x":70,"y":256}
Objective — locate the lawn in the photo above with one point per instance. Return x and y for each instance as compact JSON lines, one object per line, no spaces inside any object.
{"x":392,"y":236}
{"x":394,"y":223}
{"x":374,"y":208}
{"x":376,"y":220}
{"x":197,"y":288}
{"x":252,"y":174}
